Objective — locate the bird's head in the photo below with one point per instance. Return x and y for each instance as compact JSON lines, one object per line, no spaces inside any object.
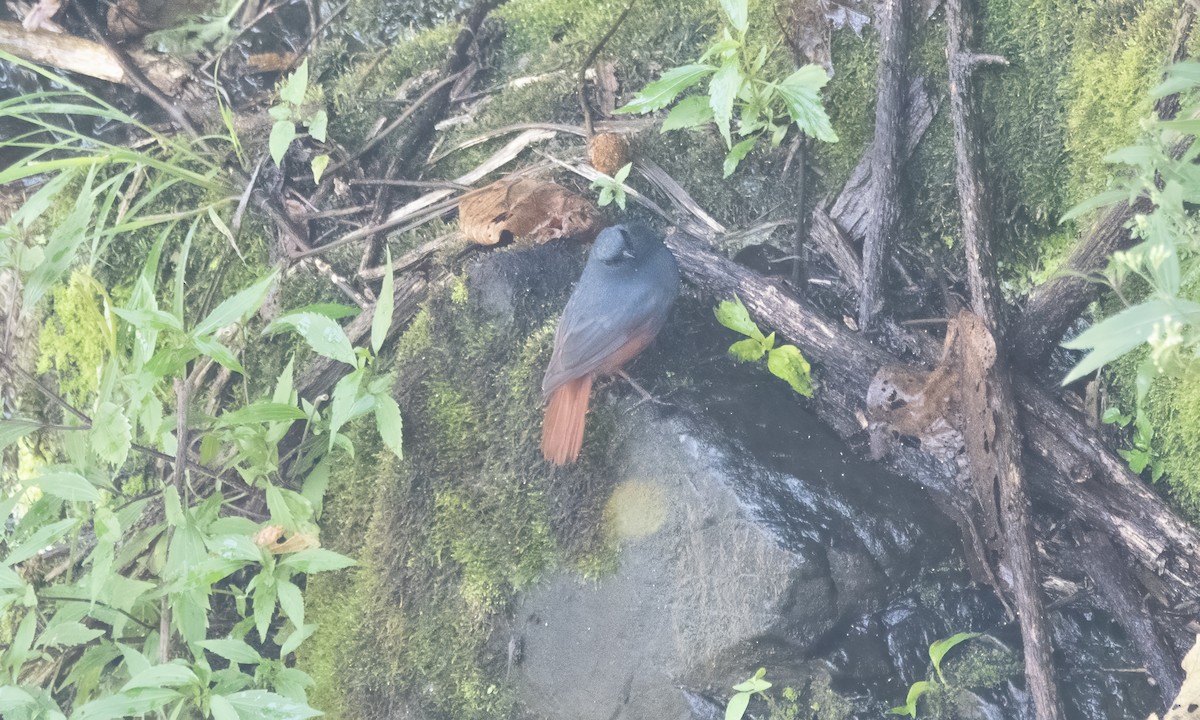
{"x":625,"y":244}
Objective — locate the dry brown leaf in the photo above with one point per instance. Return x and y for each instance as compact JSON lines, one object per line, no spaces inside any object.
{"x":269,"y":539}
{"x":521,"y":208}
{"x":1187,"y":702}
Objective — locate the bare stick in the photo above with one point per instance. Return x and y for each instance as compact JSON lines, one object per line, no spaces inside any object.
{"x":885,"y":159}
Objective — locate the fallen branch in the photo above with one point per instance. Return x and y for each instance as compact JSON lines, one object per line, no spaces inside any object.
{"x":885,"y":154}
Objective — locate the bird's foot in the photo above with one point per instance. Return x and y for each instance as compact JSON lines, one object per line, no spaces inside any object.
{"x":646,"y":396}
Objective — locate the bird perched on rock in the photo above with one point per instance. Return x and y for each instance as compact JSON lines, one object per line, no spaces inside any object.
{"x":619,"y":305}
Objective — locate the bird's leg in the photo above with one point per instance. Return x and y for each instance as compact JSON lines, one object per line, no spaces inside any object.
{"x":646,"y":396}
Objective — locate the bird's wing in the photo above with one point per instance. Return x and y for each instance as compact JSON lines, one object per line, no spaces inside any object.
{"x":585,"y":340}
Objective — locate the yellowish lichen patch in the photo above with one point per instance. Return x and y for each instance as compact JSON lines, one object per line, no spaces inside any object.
{"x":637,"y":508}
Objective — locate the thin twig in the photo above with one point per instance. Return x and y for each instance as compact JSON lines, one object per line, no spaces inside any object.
{"x":591,"y":58}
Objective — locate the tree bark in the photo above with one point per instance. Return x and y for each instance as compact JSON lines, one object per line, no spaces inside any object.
{"x":991,"y":429}
{"x":885,"y":156}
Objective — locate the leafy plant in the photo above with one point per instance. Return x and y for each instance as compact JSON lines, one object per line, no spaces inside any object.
{"x":937,"y":652}
{"x":295,"y":109}
{"x":784,"y":361}
{"x":754,"y":685}
{"x":1141,"y":455}
{"x":612,"y":189}
{"x":764,"y":108}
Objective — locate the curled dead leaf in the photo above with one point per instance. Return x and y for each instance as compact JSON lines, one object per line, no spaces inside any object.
{"x":269,"y":538}
{"x":521,"y":208}
{"x":1188,"y":700}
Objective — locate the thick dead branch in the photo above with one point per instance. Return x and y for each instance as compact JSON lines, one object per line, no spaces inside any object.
{"x":886,"y":151}
{"x":991,"y":430}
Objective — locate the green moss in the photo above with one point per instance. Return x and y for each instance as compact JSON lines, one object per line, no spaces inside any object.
{"x":1119,"y":53}
{"x":76,"y":337}
{"x":816,"y":701}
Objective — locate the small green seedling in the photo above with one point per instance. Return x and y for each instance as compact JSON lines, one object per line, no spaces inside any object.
{"x":736,"y":708}
{"x":785,"y":361}
{"x":914,"y":694}
{"x":292,"y":110}
{"x":612,"y":189}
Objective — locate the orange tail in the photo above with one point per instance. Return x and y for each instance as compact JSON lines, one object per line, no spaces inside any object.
{"x":562,"y":430}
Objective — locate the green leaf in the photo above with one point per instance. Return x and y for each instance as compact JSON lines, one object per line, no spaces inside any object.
{"x":316,"y":127}
{"x":260,"y":412}
{"x":291,"y":601}
{"x":236,"y":308}
{"x":62,"y":245}
{"x":736,"y":708}
{"x":622,"y":174}
{"x":13,"y":698}
{"x":264,"y":705}
{"x":733,"y":315}
{"x":736,"y":154}
{"x":689,"y":112}
{"x":722,"y":91}
{"x":172,"y":506}
{"x":149,"y":319}
{"x":172,"y":674}
{"x":1181,"y":77}
{"x":111,"y":434}
{"x":222,"y":709}
{"x":15,"y":429}
{"x":381,"y":320}
{"x":318,"y":165}
{"x":317,"y":560}
{"x":735,"y":12}
{"x":1112,"y":337}
{"x":390,"y":424}
{"x":323,"y":335}
{"x":296,"y":85}
{"x":1104,"y":199}
{"x":915,"y":691}
{"x":68,"y":486}
{"x":264,"y":607}
{"x":40,"y":540}
{"x":133,"y":703}
{"x":342,"y":405}
{"x":661,"y":92}
{"x":800,"y":93}
{"x":283,"y":132}
{"x":68,"y":634}
{"x":333,"y":311}
{"x":747,"y":350}
{"x":788,"y":363}
{"x":208,"y":345}
{"x":298,"y":636}
{"x":938,"y":649}
{"x":237,"y":651}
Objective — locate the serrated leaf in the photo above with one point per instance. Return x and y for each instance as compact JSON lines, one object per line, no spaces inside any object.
{"x":381,"y":320}
{"x":298,"y":636}
{"x":722,"y":92}
{"x":39,"y":540}
{"x":322,"y":334}
{"x":735,"y":12}
{"x":661,"y":92}
{"x":733,"y":315}
{"x":689,"y":112}
{"x":390,"y":424}
{"x":283,"y":132}
{"x":13,"y":430}
{"x":291,"y":601}
{"x":264,"y":608}
{"x":233,"y":309}
{"x":736,"y":154}
{"x":800,"y":93}
{"x":260,"y":412}
{"x":68,"y":486}
{"x":111,"y":434}
{"x":938,"y":649}
{"x":68,"y":634}
{"x":233,"y":650}
{"x":788,"y":363}
{"x":317,"y":560}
